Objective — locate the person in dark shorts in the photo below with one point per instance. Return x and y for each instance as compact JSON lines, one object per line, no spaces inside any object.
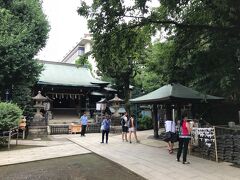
{"x":124,"y":124}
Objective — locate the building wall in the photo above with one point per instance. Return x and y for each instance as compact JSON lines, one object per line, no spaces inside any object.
{"x":73,"y":55}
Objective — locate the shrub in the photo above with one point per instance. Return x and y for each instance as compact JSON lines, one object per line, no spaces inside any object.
{"x":10,"y":115}
{"x":145,"y":123}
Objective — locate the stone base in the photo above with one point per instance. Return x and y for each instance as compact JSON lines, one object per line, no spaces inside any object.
{"x":37,"y":131}
{"x":115,"y":121}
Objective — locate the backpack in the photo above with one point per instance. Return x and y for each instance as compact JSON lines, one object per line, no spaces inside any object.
{"x":122,"y":121}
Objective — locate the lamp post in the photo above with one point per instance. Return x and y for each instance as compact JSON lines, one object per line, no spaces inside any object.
{"x":103,"y":104}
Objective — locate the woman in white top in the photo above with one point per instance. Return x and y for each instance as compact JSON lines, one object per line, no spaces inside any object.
{"x":132,"y":129}
{"x":170,"y":126}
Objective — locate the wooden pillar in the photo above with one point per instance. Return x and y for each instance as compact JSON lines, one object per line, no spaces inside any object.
{"x":155,"y":121}
{"x":179,"y":114}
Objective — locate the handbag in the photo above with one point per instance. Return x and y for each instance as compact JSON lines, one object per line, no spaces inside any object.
{"x":171,"y":136}
{"x":174,"y":137}
{"x":102,"y":127}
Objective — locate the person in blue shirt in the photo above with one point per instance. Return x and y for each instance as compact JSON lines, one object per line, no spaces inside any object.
{"x":105,"y":128}
{"x":83,"y":122}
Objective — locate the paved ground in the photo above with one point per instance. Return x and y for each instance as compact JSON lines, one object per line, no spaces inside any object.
{"x":80,"y":167}
{"x":149,"y":159}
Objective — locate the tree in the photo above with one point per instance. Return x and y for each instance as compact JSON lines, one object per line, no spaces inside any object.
{"x":118,"y":49}
{"x":23,"y":32}
{"x":205,"y":51}
{"x":203,"y":39}
{"x":82,"y":61}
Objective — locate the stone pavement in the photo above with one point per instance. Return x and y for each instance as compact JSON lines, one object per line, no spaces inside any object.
{"x":149,"y":159}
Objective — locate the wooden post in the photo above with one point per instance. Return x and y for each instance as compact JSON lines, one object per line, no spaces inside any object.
{"x":155,"y":121}
{"x":23,"y":137}
{"x":9,"y":139}
{"x":17,"y":136}
{"x":215,"y":142}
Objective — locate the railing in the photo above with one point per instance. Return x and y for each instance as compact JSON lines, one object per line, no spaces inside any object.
{"x":7,"y":135}
{"x":91,"y":128}
{"x":59,"y":129}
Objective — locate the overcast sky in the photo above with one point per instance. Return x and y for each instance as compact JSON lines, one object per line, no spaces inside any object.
{"x":67,"y":28}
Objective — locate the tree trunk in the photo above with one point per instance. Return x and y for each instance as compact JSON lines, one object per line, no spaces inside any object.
{"x":127,"y":94}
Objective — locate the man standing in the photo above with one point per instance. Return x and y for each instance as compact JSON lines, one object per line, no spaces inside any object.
{"x":83,"y":122}
{"x":106,"y":128}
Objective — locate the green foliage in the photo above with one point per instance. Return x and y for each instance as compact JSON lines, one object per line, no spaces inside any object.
{"x":145,"y":123}
{"x":206,"y":55}
{"x":23,"y":32}
{"x":82,"y":61}
{"x":10,"y":115}
{"x":202,"y":49}
{"x":119,"y":50}
{"x":22,"y":97}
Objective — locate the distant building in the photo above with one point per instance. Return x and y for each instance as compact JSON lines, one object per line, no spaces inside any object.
{"x":81,"y":48}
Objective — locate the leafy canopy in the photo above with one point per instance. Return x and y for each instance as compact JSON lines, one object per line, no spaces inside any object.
{"x":118,"y":49}
{"x":23,"y":32}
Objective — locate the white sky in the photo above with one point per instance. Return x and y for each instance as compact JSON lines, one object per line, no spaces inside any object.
{"x":67,"y":28}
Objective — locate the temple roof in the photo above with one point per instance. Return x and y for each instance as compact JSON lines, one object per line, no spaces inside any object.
{"x":63,"y":74}
{"x":174,"y":92}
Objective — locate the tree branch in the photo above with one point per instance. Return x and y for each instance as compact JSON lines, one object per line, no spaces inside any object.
{"x":146,"y":21}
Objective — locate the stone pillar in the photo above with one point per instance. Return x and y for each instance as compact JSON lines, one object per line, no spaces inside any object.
{"x":38,"y":126}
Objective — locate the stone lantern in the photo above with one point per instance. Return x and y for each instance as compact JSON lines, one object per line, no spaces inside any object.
{"x":38,"y":117}
{"x":38,"y":126}
{"x":101,"y":106}
{"x":115,"y":105}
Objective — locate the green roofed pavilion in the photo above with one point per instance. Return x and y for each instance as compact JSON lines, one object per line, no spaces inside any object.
{"x":174,"y":92}
{"x":63,"y":74}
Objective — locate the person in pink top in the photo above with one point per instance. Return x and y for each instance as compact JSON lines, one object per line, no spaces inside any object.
{"x":184,"y":138}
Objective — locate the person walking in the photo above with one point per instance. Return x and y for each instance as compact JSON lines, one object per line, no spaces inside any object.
{"x":106,"y":128}
{"x":184,"y":138}
{"x":132,"y":129}
{"x":170,"y":128}
{"x":124,"y":124}
{"x":83,"y":122}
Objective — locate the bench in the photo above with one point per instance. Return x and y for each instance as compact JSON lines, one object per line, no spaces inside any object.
{"x":74,"y":128}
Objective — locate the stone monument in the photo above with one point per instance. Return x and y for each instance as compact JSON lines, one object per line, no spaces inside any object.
{"x":115,"y":104}
{"x":38,"y":126}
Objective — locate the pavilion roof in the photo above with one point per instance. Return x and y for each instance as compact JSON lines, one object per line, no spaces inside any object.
{"x":174,"y":92}
{"x":64,"y":74}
